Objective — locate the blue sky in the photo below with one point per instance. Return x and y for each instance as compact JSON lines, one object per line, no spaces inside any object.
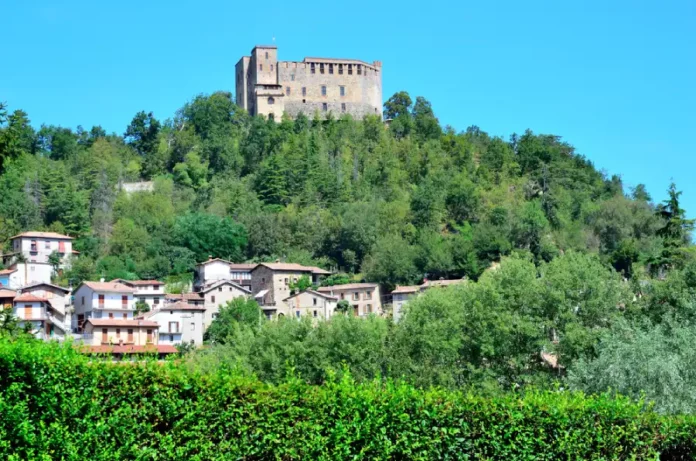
{"x":617,"y":79}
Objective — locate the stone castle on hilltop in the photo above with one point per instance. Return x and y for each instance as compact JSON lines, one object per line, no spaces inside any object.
{"x":268,"y":87}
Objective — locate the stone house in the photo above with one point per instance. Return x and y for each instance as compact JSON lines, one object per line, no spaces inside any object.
{"x":311,"y":303}
{"x":364,"y":298}
{"x":271,"y":282}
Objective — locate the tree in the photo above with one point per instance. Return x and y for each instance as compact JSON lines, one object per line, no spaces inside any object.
{"x":398,"y":110}
{"x":676,"y":232}
{"x":141,"y":307}
{"x":343,"y":306}
{"x":239,"y":311}
{"x":55,"y":259}
{"x":142,"y":134}
{"x":302,"y":284}
{"x":209,"y":235}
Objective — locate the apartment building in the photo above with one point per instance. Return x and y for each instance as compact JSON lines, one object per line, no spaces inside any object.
{"x":102,"y":300}
{"x":364,"y":298}
{"x":22,"y":274}
{"x":179,"y":322}
{"x":37,"y":247}
{"x":57,"y":304}
{"x":147,"y":291}
{"x":311,"y":303}
{"x":215,"y":270}
{"x":111,"y":331}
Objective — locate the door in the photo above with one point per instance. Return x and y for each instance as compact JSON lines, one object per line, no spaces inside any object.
{"x":101,"y":301}
{"x":356,"y":310}
{"x":149,"y":336}
{"x":124,"y":302}
{"x":105,"y":336}
{"x":130,"y":335}
{"x":27,"y":312}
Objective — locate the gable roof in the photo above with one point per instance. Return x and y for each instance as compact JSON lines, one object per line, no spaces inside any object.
{"x":137,"y":282}
{"x":406,"y":289}
{"x":30,"y":298}
{"x":214,"y":260}
{"x":312,"y":292}
{"x":225,"y":282}
{"x":46,"y":235}
{"x":177,"y":306}
{"x":110,"y":287}
{"x":293,"y":267}
{"x":122,"y":323}
{"x":7,"y":293}
{"x":38,"y":284}
{"x":348,"y":286}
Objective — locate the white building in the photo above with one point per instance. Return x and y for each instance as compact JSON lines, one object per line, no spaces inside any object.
{"x":218,"y":295}
{"x":147,"y":291}
{"x":46,"y":321}
{"x":312,"y":303}
{"x":36,"y":247}
{"x":215,"y":270}
{"x":102,"y":300}
{"x":403,"y":294}
{"x":179,"y":323}
{"x":57,"y":301}
{"x":22,"y":274}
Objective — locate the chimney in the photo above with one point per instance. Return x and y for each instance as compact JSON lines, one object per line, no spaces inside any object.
{"x":210,"y":257}
{"x":277,"y":260}
{"x":101,"y":280}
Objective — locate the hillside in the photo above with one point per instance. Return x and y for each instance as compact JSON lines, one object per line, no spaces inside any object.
{"x":395,"y":205}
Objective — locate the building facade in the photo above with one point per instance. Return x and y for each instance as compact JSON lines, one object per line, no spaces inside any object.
{"x":364,"y":298}
{"x":133,"y":332}
{"x":147,"y":291}
{"x":269,"y":87}
{"x":36,"y":247}
{"x":271,"y":283}
{"x":218,"y":295}
{"x":403,"y":294}
{"x":179,"y":323}
{"x":215,"y":270}
{"x":312,"y":303}
{"x":102,"y":300}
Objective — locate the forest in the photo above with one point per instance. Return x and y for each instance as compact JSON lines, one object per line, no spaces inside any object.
{"x":573,"y":281}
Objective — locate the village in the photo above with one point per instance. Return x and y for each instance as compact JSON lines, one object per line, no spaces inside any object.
{"x":119,"y":318}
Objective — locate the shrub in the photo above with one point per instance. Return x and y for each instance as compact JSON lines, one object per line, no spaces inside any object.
{"x":56,"y":404}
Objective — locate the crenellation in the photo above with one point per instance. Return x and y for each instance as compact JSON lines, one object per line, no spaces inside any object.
{"x":268,"y":87}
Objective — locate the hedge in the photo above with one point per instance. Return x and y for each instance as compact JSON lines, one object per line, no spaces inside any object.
{"x":57,"y":404}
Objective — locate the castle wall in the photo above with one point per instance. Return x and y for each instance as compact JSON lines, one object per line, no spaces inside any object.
{"x":268,"y":87}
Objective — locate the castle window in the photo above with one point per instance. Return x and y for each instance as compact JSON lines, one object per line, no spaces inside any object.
{"x":304,"y":91}
{"x":324,"y":106}
{"x":331,"y":68}
{"x":287,"y":90}
{"x":343,"y":90}
{"x":313,"y":70}
{"x":266,"y":54}
{"x":271,"y":117}
{"x":359,"y":69}
{"x":271,"y":67}
{"x":343,"y":107}
{"x":340,"y":69}
{"x":323,"y":90}
{"x":271,"y":100}
{"x":321,"y":68}
{"x":350,"y":69}
{"x":261,"y":67}
{"x":292,"y":77}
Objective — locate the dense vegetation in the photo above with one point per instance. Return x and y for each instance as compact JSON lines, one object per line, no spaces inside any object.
{"x":56,"y":404}
{"x":392,"y":205}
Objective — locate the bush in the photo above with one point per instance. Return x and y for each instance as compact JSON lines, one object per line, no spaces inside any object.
{"x":56,"y":404}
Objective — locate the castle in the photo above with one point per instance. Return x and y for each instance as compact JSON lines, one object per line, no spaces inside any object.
{"x":268,"y":87}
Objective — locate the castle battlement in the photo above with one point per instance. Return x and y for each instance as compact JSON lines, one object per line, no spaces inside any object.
{"x":268,"y":87}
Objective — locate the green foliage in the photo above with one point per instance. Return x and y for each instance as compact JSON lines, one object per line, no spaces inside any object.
{"x":209,"y":235}
{"x":302,"y":284}
{"x":238,"y":312}
{"x":57,"y":404}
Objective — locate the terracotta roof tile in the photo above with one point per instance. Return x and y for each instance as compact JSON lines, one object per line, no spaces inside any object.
{"x":179,"y":306}
{"x":348,"y":286}
{"x":109,"y":287}
{"x":137,"y":282}
{"x":7,"y":271}
{"x":122,"y":323}
{"x":406,"y":289}
{"x":293,"y":267}
{"x":30,"y":298}
{"x":129,"y":349}
{"x":185,"y":296}
{"x":7,"y":293}
{"x":47,"y":235}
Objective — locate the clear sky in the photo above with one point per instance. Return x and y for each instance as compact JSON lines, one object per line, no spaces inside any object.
{"x":615,"y":78}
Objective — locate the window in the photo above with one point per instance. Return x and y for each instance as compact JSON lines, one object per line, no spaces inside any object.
{"x":125,"y":316}
{"x":368,"y":308}
{"x":83,"y":301}
{"x":304,"y":91}
{"x":171,"y":337}
{"x":331,"y":68}
{"x":33,"y":245}
{"x":287,"y":90}
{"x":263,"y":279}
{"x":212,"y":299}
{"x":312,"y":69}
{"x":230,"y":289}
{"x":356,"y":296}
{"x":324,"y":107}
{"x":155,"y":300}
{"x":149,"y":336}
{"x":130,"y":335}
{"x":193,"y":326}
{"x":214,"y":316}
{"x":314,"y":301}
{"x":118,"y":333}
{"x":101,"y":301}
{"x":292,"y":77}
{"x":286,"y":282}
{"x":124,"y":301}
{"x":171,"y":312}
{"x":321,"y":68}
{"x":271,"y":100}
{"x":219,"y":288}
{"x":343,"y":90}
{"x":315,"y":314}
{"x":343,"y":107}
{"x":173,"y":327}
{"x":266,"y":54}
{"x":61,"y":247}
{"x":350,"y":69}
{"x":271,"y":116}
{"x":340,"y":69}
{"x":271,"y":67}
{"x":368,"y":295}
{"x":297,"y":314}
{"x":111,"y":315}
{"x":323,"y":90}
{"x":359,"y":69}
{"x":261,"y":67}
{"x":47,"y":244}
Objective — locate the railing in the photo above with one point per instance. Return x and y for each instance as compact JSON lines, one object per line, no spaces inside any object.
{"x":59,"y":323}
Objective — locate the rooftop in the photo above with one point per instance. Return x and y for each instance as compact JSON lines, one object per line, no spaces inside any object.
{"x":7,"y":293}
{"x":178,"y":306}
{"x":122,"y":323}
{"x":294,"y":267}
{"x":316,"y":293}
{"x":348,"y":286}
{"x":7,"y":271}
{"x":129,"y":349}
{"x":441,"y":283}
{"x":111,"y":287}
{"x":185,"y":296}
{"x":43,"y":235}
{"x":137,"y":282}
{"x":30,"y":298}
{"x":39,"y":284}
{"x":406,"y":289}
